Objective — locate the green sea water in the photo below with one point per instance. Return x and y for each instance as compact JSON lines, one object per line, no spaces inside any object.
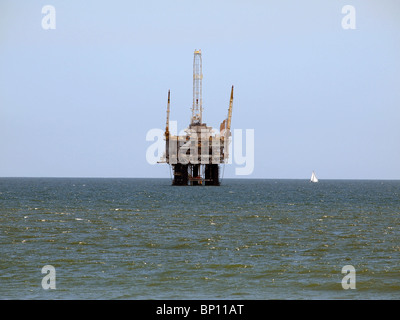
{"x":247,"y":239}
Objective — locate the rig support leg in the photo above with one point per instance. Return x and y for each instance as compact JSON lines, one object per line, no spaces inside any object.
{"x":181,"y":177}
{"x":212,"y":175}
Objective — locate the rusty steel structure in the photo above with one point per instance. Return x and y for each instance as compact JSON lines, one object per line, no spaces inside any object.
{"x":196,"y":156}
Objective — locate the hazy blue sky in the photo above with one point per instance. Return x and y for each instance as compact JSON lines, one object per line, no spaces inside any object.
{"x":78,"y":101}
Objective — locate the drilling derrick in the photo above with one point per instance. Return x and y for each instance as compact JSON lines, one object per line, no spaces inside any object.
{"x":197,"y":108}
{"x":195,"y":158}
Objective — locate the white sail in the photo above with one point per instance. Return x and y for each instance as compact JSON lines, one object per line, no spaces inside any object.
{"x":313,"y":177}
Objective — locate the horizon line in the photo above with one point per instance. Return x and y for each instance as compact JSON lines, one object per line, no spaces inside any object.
{"x":166,"y":178}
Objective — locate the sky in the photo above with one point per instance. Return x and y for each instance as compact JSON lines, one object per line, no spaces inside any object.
{"x":79,"y":100}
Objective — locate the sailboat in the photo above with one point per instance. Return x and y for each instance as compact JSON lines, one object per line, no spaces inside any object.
{"x":313,"y":177}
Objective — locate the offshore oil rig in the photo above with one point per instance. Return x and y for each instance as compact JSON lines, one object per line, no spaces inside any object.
{"x":195,"y":157}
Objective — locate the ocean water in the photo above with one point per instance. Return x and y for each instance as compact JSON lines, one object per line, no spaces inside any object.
{"x":247,"y":239}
